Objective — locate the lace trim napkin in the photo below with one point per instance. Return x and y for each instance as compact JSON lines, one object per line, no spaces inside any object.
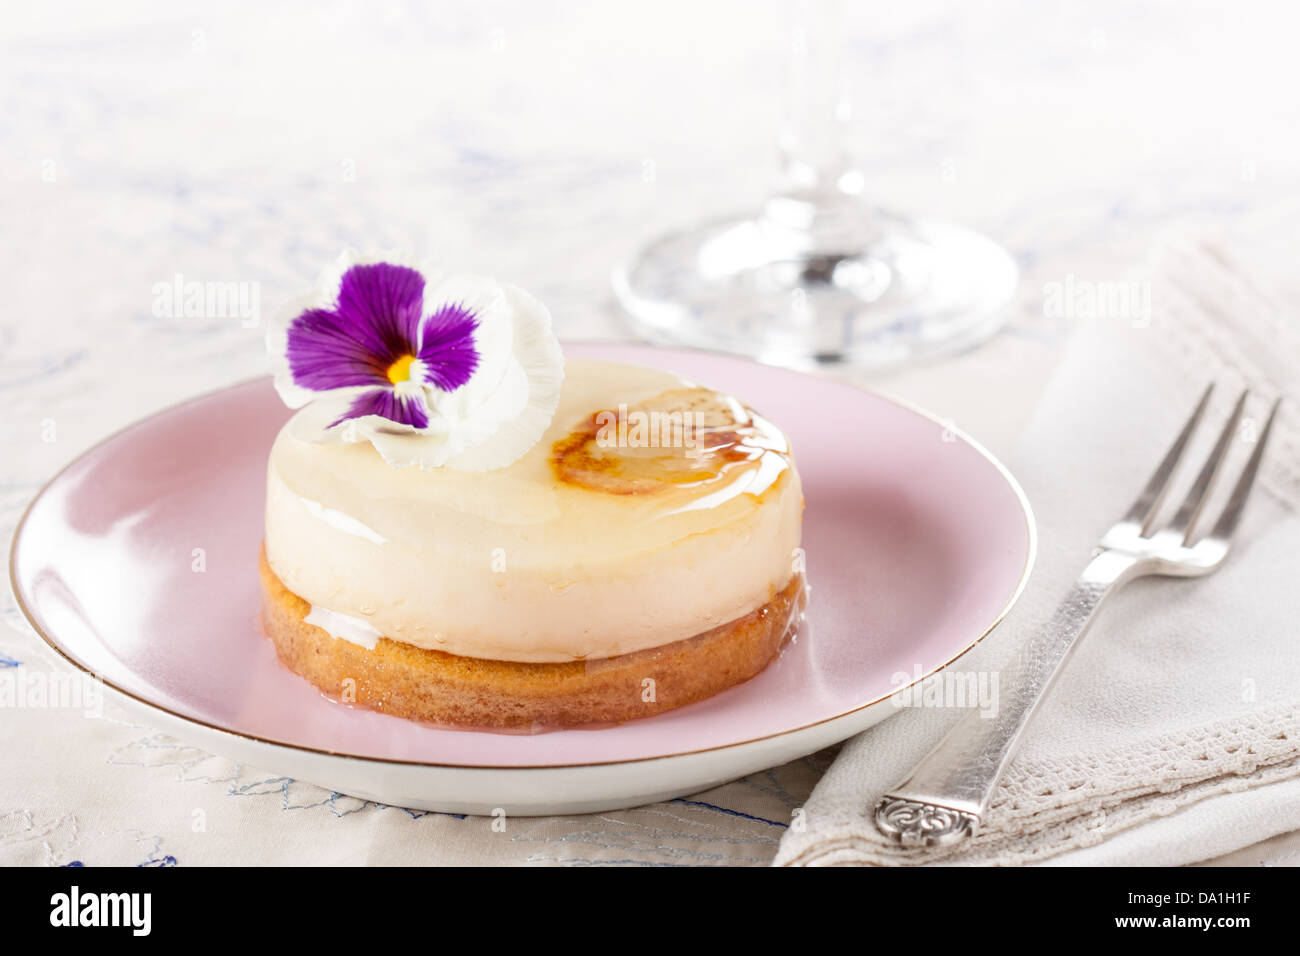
{"x":1174,"y":733}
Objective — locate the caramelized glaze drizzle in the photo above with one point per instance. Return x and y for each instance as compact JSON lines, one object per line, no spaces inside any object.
{"x":644,"y":450}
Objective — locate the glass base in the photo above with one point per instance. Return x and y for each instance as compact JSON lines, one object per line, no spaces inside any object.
{"x":771,"y":287}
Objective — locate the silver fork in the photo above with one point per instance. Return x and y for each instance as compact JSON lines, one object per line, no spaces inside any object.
{"x":948,"y":793}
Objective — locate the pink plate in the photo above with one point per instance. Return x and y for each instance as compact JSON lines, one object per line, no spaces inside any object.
{"x":917,"y":541}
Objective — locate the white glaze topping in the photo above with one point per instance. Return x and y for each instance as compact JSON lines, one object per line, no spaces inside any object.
{"x":575,"y":551}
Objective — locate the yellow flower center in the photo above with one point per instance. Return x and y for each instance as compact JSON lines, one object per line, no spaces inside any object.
{"x":400,"y":371}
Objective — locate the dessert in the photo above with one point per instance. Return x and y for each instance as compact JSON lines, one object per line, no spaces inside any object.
{"x":577,"y":546}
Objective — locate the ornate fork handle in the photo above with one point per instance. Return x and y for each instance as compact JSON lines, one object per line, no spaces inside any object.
{"x":949,"y":791}
{"x":946,"y":796}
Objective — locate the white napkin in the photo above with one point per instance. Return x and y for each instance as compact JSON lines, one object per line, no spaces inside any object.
{"x":1174,"y":733}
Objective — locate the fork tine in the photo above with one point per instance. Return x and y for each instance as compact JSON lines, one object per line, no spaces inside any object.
{"x":1185,"y":520}
{"x":1145,"y":507}
{"x":1227,"y":522}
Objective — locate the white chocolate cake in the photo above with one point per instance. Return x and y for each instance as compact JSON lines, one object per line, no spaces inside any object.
{"x":554,"y":558}
{"x":454,"y":536}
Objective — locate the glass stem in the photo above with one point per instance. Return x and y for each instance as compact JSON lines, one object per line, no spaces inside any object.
{"x":813,"y":158}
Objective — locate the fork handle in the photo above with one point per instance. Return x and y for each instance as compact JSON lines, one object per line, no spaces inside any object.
{"x":948,"y":792}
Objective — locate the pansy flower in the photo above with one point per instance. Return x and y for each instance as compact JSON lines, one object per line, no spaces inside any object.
{"x":432,"y":369}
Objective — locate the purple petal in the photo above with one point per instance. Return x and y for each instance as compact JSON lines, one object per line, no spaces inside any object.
{"x":381,"y":305}
{"x":386,"y":403}
{"x":447,"y":347}
{"x":323,"y":354}
{"x":374,"y":323}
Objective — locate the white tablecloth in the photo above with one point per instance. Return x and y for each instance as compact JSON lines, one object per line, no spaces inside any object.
{"x":143,"y":141}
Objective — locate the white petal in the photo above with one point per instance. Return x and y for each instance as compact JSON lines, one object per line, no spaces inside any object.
{"x":492,"y":335}
{"x":331,"y":277}
{"x":416,"y":450}
{"x":536,"y":355}
{"x":277,"y":347}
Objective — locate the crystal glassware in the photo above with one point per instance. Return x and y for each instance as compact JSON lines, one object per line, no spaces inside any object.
{"x":819,"y":274}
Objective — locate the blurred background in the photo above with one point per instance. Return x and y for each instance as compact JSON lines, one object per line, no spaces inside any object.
{"x":543,"y":143}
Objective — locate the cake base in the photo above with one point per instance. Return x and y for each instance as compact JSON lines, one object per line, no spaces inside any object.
{"x":447,"y":689}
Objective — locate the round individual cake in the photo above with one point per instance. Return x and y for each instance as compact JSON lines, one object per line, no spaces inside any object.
{"x":641,"y":554}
